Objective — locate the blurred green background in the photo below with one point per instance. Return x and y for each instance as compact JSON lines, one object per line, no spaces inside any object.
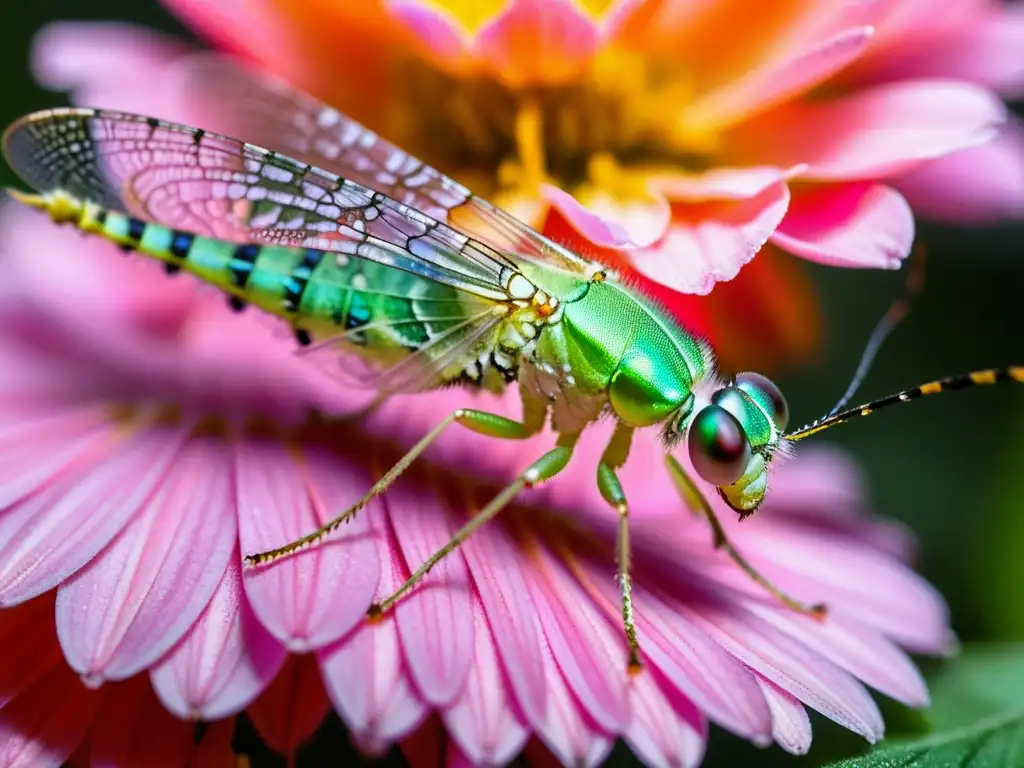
{"x":950,"y":468}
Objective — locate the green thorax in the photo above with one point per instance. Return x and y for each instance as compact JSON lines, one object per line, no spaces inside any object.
{"x":613,"y":341}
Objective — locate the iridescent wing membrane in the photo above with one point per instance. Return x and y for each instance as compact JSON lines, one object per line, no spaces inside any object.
{"x":238,"y":101}
{"x":211,"y":185}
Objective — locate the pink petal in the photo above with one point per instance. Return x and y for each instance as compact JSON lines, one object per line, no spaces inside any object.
{"x":319,"y":594}
{"x":984,"y":49}
{"x":50,"y":535}
{"x":435,"y":622}
{"x":59,"y":437}
{"x":791,"y":727}
{"x":226,"y":660}
{"x":105,"y":64}
{"x":537,"y":42}
{"x":777,"y":81}
{"x":793,"y":667}
{"x":292,"y":708}
{"x":28,"y":646}
{"x":861,"y":651}
{"x":612,"y":224}
{"x":565,"y":731}
{"x":823,"y":481}
{"x":364,"y":674}
{"x":482,"y":722}
{"x":243,"y":25}
{"x":126,"y":608}
{"x":710,"y":242}
{"x":856,"y":580}
{"x":879,"y":131}
{"x":497,"y":567}
{"x":848,"y":225}
{"x":436,"y":32}
{"x":657,"y":733}
{"x":977,"y":185}
{"x":133,"y":728}
{"x":369,"y":688}
{"x":590,"y":654}
{"x":724,"y":183}
{"x":46,"y":723}
{"x":698,"y":667}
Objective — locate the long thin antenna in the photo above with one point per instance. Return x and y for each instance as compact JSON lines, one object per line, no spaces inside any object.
{"x":963,"y":381}
{"x":897,"y":311}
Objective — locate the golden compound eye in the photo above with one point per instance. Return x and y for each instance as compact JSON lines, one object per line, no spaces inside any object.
{"x":718,"y":446}
{"x":763,"y":390}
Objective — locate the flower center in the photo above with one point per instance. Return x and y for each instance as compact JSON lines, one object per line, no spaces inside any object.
{"x":623,"y":116}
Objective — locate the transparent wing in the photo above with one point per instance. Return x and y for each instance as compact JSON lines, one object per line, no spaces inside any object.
{"x":442,"y":359}
{"x":268,"y":112}
{"x":212,"y":185}
{"x":220,"y":187}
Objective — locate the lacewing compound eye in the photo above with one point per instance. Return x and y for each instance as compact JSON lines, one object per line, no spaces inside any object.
{"x":718,"y":446}
{"x":765,"y":391}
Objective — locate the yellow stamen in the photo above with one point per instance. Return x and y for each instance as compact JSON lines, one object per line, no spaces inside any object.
{"x":529,"y":132}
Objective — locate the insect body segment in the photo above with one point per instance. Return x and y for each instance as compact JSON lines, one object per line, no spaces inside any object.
{"x":326,"y":296}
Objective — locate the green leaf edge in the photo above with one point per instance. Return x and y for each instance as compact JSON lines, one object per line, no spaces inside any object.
{"x":886,"y":757}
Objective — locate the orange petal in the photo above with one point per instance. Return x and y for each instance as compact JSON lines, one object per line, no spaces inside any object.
{"x":778,"y":80}
{"x":344,"y":55}
{"x":537,"y":42}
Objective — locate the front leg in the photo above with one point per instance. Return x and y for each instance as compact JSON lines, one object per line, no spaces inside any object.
{"x":613,"y":458}
{"x":694,"y":499}
{"x":483,"y":422}
{"x":544,"y":468}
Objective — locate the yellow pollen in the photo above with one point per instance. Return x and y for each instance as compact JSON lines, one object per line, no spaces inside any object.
{"x":529,"y":133}
{"x":605,"y":174}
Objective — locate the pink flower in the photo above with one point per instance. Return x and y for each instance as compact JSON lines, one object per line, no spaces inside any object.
{"x":148,"y":437}
{"x":695,"y":131}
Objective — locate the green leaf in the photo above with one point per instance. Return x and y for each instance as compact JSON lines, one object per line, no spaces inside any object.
{"x":978,"y":709}
{"x":994,"y":742}
{"x":986,"y":680}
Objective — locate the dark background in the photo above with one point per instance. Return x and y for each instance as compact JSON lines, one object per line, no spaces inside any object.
{"x":950,"y":467}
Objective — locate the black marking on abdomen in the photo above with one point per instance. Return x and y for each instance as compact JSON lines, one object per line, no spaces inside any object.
{"x":136,"y":229}
{"x":181,"y":244}
{"x":295,"y":285}
{"x":302,"y":336}
{"x":236,"y":303}
{"x":242,"y":261}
